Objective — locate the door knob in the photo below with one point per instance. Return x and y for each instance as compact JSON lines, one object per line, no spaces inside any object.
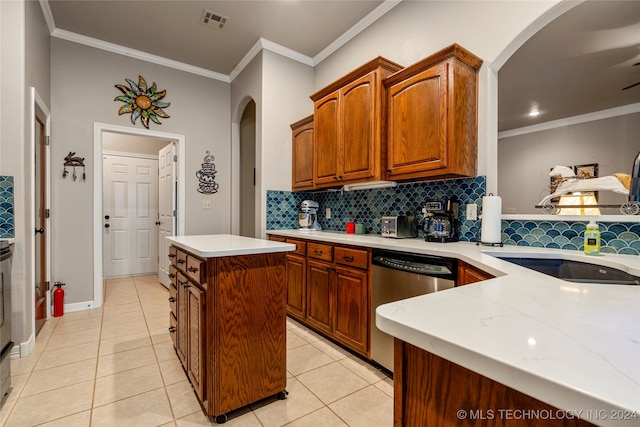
{"x":157,"y":222}
{"x":106,"y":217}
{"x":40,"y":230}
{"x":106,"y":226}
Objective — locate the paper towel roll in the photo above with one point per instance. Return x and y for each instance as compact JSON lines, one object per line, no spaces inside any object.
{"x":491,"y":231}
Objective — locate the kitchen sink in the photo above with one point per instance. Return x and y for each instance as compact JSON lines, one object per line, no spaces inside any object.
{"x":576,"y":271}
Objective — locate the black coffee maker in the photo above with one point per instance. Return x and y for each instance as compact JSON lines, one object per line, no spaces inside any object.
{"x":441,"y":218}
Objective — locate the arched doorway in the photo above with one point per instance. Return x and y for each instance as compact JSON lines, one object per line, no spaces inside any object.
{"x":248,"y":171}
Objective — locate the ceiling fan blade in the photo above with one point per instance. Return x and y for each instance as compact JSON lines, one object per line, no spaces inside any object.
{"x":630,"y":86}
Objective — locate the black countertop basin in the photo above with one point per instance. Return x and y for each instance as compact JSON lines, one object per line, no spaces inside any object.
{"x":576,"y":271}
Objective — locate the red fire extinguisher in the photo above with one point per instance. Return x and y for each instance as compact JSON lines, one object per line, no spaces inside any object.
{"x":58,"y":299}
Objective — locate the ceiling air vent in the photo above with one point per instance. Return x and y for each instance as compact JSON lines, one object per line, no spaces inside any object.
{"x":214,"y":20}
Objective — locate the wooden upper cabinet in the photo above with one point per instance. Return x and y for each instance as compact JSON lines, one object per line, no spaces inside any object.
{"x":431,"y":113}
{"x":302,"y":154}
{"x":348,"y":126}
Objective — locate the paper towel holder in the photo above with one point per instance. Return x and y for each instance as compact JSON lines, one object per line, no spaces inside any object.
{"x":480,"y":242}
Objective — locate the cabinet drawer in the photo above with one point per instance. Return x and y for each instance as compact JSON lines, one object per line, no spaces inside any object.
{"x":277,"y":238}
{"x":320,"y":251}
{"x":172,"y":328}
{"x":181,"y":259}
{"x":173,"y":254}
{"x":352,"y":257}
{"x":173,"y":295}
{"x":195,"y":269}
{"x":301,"y":247}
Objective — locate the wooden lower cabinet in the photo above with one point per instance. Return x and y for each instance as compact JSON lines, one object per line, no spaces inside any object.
{"x":320,"y":279}
{"x":430,"y":391}
{"x":230,"y":328}
{"x":351,"y":314}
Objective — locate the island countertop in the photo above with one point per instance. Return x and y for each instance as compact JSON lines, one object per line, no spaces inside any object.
{"x":221,"y":245}
{"x":574,"y":346}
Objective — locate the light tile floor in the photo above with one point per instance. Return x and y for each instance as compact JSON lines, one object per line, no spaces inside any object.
{"x":116,"y":366}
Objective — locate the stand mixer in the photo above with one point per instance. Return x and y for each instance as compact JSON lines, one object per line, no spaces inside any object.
{"x":308,"y":216}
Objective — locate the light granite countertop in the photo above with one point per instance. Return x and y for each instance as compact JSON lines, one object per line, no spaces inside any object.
{"x":220,"y":245}
{"x":575,"y":346}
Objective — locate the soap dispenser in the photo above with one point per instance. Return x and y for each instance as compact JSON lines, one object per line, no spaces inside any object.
{"x":592,"y":239}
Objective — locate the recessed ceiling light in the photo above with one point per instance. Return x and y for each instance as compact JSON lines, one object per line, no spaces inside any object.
{"x":534,"y":112}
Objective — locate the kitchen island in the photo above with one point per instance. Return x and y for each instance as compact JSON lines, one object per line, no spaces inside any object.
{"x":573,"y":346}
{"x":228,"y":318}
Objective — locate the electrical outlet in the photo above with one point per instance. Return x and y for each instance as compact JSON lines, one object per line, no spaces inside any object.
{"x":206,"y":204}
{"x":472,"y":211}
{"x":327,"y":213}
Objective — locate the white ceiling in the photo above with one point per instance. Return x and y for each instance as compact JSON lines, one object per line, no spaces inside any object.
{"x":577,"y":64}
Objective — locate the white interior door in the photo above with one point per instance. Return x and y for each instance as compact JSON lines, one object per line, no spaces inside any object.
{"x":130,"y":212}
{"x":167,"y":203}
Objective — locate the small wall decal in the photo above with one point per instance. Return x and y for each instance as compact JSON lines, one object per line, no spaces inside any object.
{"x":73,"y":161}
{"x":142,"y":101}
{"x":207,"y":176}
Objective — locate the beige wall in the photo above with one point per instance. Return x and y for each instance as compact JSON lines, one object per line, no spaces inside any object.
{"x":524,"y":161}
{"x":83,"y":93}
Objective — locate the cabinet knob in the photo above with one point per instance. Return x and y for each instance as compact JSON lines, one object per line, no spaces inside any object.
{"x":192,"y":269}
{"x":171,"y":275}
{"x":172,"y":329}
{"x":348,"y":258}
{"x":172,"y":299}
{"x":180,"y":261}
{"x":171,"y":255}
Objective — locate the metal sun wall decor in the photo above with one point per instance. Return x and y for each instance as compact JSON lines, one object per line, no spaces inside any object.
{"x":73,"y":161}
{"x":207,"y":176}
{"x":142,"y":101}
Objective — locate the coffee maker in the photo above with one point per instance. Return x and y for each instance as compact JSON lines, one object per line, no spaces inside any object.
{"x":441,"y":217}
{"x":308,"y":216}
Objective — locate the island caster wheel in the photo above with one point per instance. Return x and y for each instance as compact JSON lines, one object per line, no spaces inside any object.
{"x":221,"y":419}
{"x":630,"y":208}
{"x":282,"y":395}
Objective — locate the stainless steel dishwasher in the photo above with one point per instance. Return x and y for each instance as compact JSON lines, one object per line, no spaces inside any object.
{"x":399,"y":275}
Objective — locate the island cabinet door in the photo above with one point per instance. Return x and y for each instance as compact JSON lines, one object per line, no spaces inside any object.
{"x":196,"y":368}
{"x":182,"y":334}
{"x":297,"y":286}
{"x":319,"y":290}
{"x":351,"y":308}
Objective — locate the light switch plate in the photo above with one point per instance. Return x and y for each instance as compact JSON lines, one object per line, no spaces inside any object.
{"x":472,"y":211}
{"x":327,"y":213}
{"x":206,"y":204}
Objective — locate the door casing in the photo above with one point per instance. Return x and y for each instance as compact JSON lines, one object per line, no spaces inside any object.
{"x":98,"y":130}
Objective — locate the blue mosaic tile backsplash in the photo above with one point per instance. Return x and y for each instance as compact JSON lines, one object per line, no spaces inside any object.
{"x":6,"y":207}
{"x":368,"y":206}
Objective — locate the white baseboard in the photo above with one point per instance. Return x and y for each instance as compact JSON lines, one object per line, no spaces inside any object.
{"x":79,"y":306}
{"x":23,"y":349}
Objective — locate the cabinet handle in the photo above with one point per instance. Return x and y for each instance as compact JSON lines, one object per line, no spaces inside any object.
{"x":172,"y":329}
{"x":192,"y":269}
{"x":185,"y":284}
{"x":388,"y":170}
{"x":348,"y":258}
{"x":171,"y":275}
{"x":340,"y":177}
{"x":180,"y":261}
{"x":172,"y":299}
{"x":171,"y":255}
{"x":317,"y":252}
{"x":335,"y":177}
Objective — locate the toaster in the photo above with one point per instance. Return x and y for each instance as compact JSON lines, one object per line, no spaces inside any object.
{"x":399,"y":226}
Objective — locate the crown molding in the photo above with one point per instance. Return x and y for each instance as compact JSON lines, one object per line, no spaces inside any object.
{"x":48,"y":16}
{"x":568,"y":121}
{"x":262,"y":43}
{"x":361,"y":25}
{"x":137,"y":54}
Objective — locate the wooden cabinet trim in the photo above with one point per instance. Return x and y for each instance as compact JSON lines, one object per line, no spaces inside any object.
{"x":364,"y":69}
